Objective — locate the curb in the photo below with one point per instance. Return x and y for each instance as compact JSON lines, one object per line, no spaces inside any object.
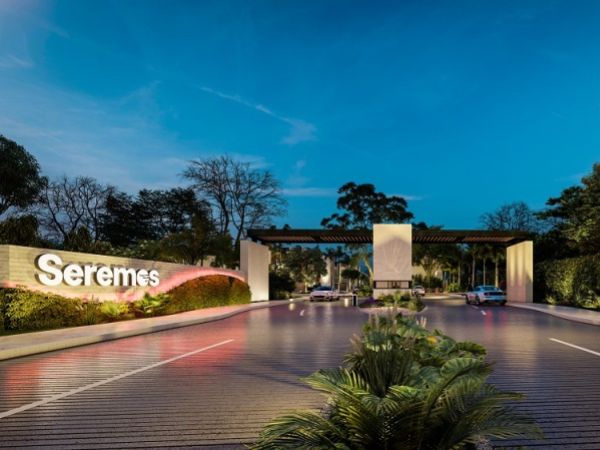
{"x":79,"y":341}
{"x":560,"y":315}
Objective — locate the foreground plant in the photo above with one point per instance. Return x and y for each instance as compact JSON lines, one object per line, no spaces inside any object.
{"x":403,"y":387}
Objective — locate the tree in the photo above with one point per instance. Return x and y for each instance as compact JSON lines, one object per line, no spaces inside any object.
{"x":68,"y":204}
{"x":20,"y":179}
{"x":306,"y":265}
{"x":361,"y":206}
{"x":241,"y":197}
{"x":515,"y":216}
{"x":20,"y":230}
{"x":351,"y":275}
{"x":191,"y":245}
{"x":575,"y":214}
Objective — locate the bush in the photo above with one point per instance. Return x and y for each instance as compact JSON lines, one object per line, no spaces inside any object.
{"x":207,"y":292}
{"x":149,"y":305}
{"x":30,"y":310}
{"x":91,"y":313}
{"x":115,"y":310}
{"x":570,"y":282}
{"x":453,"y":287}
{"x":281,"y":285}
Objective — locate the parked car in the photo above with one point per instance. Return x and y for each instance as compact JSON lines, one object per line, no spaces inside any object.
{"x":418,"y":291}
{"x":323,"y":293}
{"x":485,"y":294}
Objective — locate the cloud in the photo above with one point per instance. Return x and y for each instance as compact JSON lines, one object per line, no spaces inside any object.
{"x":11,"y":61}
{"x":409,"y":197}
{"x":309,"y":192}
{"x":300,"y":130}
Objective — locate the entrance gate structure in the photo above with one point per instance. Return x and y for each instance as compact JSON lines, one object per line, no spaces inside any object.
{"x":392,"y":254}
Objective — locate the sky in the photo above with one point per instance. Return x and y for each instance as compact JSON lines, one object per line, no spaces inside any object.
{"x":459,"y":106}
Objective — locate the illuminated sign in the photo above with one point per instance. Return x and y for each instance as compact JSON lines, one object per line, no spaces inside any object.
{"x":54,"y":273}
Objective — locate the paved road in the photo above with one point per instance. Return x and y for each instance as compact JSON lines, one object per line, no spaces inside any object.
{"x":215,"y":385}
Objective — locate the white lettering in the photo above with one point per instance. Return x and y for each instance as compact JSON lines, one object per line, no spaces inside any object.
{"x":73,"y":275}
{"x":53,"y":273}
{"x":45,"y":263}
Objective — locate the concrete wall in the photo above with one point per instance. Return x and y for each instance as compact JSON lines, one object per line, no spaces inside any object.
{"x":519,"y":272}
{"x":392,"y":254}
{"x":254,"y":263}
{"x":18,"y":268}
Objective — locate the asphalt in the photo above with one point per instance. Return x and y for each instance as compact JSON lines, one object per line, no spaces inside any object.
{"x":215,"y":385}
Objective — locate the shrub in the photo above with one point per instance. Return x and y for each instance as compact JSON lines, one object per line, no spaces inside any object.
{"x":149,"y":305}
{"x":30,"y":310}
{"x":207,"y":292}
{"x":91,"y":313}
{"x":365,"y":291}
{"x":115,"y":310}
{"x":453,"y":287}
{"x":281,"y":285}
{"x":403,"y":387}
{"x":415,"y":304}
{"x":570,"y":281}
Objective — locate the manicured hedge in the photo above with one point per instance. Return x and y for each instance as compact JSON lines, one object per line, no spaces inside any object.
{"x":570,"y":281}
{"x":207,"y":292}
{"x":23,"y":310}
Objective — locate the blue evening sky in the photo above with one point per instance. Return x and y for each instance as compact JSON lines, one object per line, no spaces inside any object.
{"x":461,"y":106}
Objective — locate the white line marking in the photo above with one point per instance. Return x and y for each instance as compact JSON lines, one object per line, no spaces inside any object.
{"x":583,"y":349}
{"x":87,"y":387}
{"x":483,"y":312}
{"x":473,"y":306}
{"x":302,"y":312}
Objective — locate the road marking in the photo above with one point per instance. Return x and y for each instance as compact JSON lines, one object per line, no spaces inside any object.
{"x":483,"y":312}
{"x":583,"y":349}
{"x":302,"y":312}
{"x":473,"y":306}
{"x":87,"y":387}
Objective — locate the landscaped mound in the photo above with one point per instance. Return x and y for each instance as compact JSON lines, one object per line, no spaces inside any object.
{"x":23,"y":310}
{"x":403,"y":388}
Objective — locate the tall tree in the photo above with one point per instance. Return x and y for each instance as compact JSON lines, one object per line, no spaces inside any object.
{"x":512,"y":217}
{"x":241,"y":196}
{"x":576,"y":213}
{"x":20,"y":179}
{"x":306,"y":265}
{"x":68,"y":204}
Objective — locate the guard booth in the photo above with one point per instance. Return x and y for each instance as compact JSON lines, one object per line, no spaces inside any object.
{"x":392,"y":254}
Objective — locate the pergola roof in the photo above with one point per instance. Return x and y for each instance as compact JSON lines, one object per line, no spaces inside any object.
{"x":299,"y":236}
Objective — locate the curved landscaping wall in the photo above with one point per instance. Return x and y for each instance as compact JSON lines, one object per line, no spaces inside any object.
{"x":88,"y":276}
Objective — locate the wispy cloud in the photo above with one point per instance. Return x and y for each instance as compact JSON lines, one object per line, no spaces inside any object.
{"x":410,"y":197}
{"x":300,"y":130}
{"x":11,"y":61}
{"x":309,"y":192}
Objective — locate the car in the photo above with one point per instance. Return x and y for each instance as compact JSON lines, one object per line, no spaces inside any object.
{"x":418,"y":291}
{"x":323,"y":293}
{"x":485,"y":294}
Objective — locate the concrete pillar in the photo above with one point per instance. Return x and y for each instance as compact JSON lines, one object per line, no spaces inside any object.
{"x":254,"y":262}
{"x":519,"y":272}
{"x":392,"y":258}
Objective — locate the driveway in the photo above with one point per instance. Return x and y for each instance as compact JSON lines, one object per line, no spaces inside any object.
{"x":215,"y":385}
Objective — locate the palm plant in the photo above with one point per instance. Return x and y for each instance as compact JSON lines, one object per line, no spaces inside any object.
{"x":401,"y":388}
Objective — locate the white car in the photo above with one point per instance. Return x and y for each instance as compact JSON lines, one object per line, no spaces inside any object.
{"x":485,"y":294}
{"x":323,"y":293}
{"x":418,"y":290}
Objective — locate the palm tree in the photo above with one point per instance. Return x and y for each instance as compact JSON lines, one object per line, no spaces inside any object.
{"x":498,"y":256}
{"x":403,"y":388}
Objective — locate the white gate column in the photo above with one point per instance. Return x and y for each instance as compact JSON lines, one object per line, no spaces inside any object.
{"x":392,"y":258}
{"x":519,"y":272}
{"x":254,"y":262}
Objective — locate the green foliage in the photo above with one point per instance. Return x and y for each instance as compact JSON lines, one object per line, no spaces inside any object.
{"x":453,"y":287}
{"x":20,"y":179}
{"x":149,"y":305}
{"x":570,"y":282}
{"x":29,"y":310}
{"x":305,"y":265}
{"x":207,"y":292}
{"x":398,"y":299}
{"x":405,"y":388}
{"x":20,"y":230}
{"x":281,"y":285}
{"x":365,"y":291}
{"x":91,"y":313}
{"x":115,"y":310}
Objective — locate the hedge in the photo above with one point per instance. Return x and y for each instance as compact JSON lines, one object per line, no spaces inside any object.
{"x":570,"y":281}
{"x":23,"y":310}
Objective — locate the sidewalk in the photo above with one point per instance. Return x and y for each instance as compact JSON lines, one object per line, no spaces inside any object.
{"x":45,"y":341}
{"x":564,"y":312}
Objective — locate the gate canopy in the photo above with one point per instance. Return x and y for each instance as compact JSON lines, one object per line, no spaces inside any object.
{"x":308,"y":236}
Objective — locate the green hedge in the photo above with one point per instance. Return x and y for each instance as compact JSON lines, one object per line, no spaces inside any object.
{"x":23,"y":310}
{"x":570,"y":282}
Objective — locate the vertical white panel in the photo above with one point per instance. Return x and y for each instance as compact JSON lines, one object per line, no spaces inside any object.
{"x":254,"y":262}
{"x":519,"y":272}
{"x":392,"y":253}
